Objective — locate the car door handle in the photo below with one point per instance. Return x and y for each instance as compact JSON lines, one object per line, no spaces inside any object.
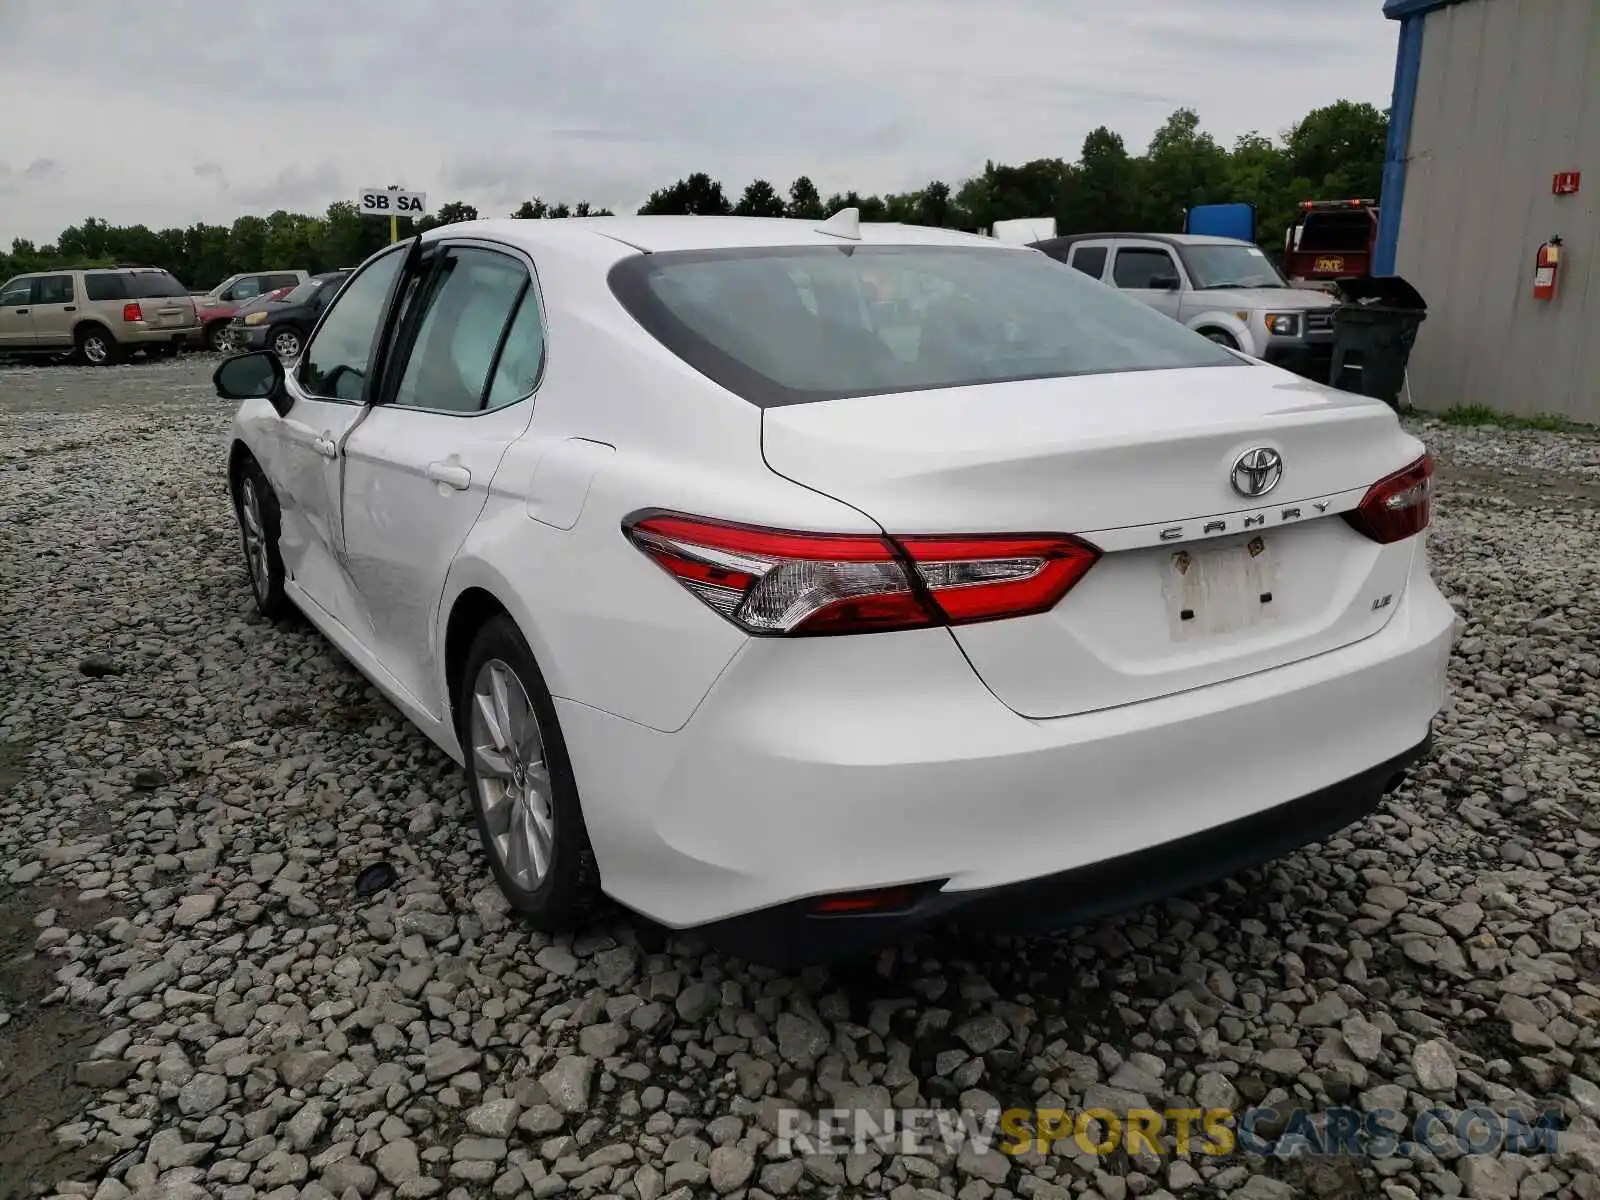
{"x":70,"y":308}
{"x":456,"y":477}
{"x":326,"y":447}
{"x":21,"y":312}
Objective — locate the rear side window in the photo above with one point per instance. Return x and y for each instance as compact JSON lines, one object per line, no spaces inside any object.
{"x":1091,"y":260}
{"x":792,"y":325}
{"x":470,"y":300}
{"x":148,"y":285}
{"x":104,"y":287}
{"x":274,"y":282}
{"x":53,"y":289}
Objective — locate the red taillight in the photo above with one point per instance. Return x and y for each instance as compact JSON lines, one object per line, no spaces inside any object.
{"x":773,"y":582}
{"x":985,"y":578}
{"x":132,"y":312}
{"x":881,"y":900}
{"x":1397,"y":506}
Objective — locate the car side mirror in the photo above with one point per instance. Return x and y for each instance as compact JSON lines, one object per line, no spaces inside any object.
{"x":257,"y":375}
{"x":1164,"y":283}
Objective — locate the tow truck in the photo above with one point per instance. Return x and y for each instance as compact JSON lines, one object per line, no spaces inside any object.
{"x":1334,"y":240}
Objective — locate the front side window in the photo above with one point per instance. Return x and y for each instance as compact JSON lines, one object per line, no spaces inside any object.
{"x":247,"y":289}
{"x":335,"y":365}
{"x":53,"y":289}
{"x":1139,"y":267}
{"x":17,"y":293}
{"x":1236,"y":266}
{"x":790,"y":325}
{"x":468,"y":302}
{"x":1091,"y":260}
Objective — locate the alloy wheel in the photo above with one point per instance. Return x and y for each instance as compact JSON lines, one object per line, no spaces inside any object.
{"x":513,"y":779}
{"x":95,"y":350}
{"x":255,"y":537}
{"x":286,"y":344}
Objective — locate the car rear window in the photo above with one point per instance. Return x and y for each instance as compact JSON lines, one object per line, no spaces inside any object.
{"x":795,"y":325}
{"x":145,"y":285}
{"x":104,"y":287}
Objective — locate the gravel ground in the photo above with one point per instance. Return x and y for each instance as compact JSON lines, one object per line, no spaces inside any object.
{"x":194,"y":1001}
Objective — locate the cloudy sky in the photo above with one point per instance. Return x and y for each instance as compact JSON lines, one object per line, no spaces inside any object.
{"x":178,"y":111}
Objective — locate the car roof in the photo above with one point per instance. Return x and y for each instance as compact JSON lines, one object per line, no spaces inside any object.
{"x":660,"y":234}
{"x":1174,"y":239}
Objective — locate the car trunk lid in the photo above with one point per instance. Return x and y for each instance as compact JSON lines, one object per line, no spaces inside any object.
{"x":1197,"y":584}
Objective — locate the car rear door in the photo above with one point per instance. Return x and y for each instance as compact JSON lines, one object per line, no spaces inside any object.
{"x":418,"y":468}
{"x":55,"y":307}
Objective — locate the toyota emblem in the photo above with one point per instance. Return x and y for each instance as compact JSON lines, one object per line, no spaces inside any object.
{"x":1257,"y":471}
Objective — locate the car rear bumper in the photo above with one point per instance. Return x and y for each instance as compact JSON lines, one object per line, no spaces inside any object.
{"x":792,"y":935}
{"x":133,"y":335}
{"x":824,"y":766}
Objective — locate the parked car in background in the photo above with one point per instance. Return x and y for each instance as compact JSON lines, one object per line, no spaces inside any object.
{"x":282,"y":325}
{"x":1221,"y":287}
{"x":222,"y":339}
{"x":97,"y":315}
{"x":825,"y":580}
{"x":220,"y":305}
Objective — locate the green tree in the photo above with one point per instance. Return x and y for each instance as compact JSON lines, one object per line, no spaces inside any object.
{"x":698,"y":194}
{"x":804,"y":202}
{"x":759,"y":200}
{"x":1337,"y":151}
{"x":1183,"y":167}
{"x":1105,"y":185}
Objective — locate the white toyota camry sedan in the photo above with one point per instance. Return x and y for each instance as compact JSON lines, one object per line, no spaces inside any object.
{"x":802,"y":583}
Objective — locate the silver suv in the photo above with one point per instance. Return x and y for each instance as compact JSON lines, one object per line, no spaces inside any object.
{"x":1222,"y":287}
{"x":97,"y":315}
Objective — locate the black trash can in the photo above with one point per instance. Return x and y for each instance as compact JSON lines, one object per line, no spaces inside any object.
{"x":1373,"y":332}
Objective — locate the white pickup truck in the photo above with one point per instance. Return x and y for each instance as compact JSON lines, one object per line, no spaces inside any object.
{"x":1221,"y":287}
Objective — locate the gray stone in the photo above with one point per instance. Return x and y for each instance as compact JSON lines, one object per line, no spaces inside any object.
{"x":568,"y":1082}
{"x":729,"y":1168}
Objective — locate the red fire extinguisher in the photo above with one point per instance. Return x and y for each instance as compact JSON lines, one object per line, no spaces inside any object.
{"x":1544,"y":269}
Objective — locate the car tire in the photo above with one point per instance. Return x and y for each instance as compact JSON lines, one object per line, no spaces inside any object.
{"x":256,"y":507}
{"x":286,"y":342}
{"x":96,"y":347}
{"x":524,"y":795}
{"x":219,"y":338}
{"x":1221,"y":337}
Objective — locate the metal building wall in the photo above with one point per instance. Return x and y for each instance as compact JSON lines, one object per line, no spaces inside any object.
{"x":1508,"y":94}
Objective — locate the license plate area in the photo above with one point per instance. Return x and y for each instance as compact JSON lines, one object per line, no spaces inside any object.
{"x":1221,"y":590}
